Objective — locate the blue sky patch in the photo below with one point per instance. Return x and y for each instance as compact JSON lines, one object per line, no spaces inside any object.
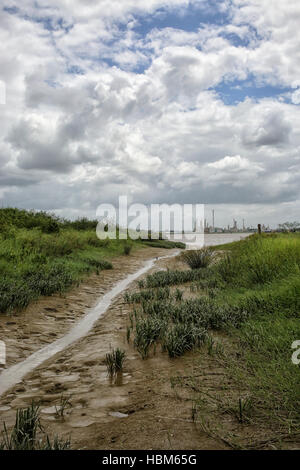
{"x":237,"y":91}
{"x":189,"y":19}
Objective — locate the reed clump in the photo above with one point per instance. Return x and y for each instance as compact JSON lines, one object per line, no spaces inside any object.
{"x":114,"y":361}
{"x":197,"y":259}
{"x":28,"y":433}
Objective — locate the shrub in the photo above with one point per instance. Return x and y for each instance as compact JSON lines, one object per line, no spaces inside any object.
{"x":198,"y":258}
{"x":82,"y":224}
{"x":50,"y":226}
{"x":127,"y":249}
{"x":21,"y":218}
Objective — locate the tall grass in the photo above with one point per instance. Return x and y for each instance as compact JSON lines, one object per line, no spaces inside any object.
{"x":41,"y":254}
{"x":24,"y":434}
{"x":262,"y":283}
{"x":198,"y":258}
{"x":147,"y":331}
{"x":148,"y":294}
{"x":253,"y":294}
{"x":261,"y":259}
{"x":33,"y":263}
{"x":114,"y":361}
{"x":171,"y":278}
{"x":182,"y":337}
{"x":179,"y":325}
{"x":167,"y":244}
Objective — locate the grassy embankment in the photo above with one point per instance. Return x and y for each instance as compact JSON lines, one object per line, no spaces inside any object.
{"x":41,"y":254}
{"x":252,"y":294}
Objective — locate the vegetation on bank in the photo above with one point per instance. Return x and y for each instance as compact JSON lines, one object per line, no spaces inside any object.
{"x":253,"y":294}
{"x":41,"y":254}
{"x":196,"y":259}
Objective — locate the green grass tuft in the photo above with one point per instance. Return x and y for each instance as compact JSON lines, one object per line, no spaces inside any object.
{"x":114,"y":361}
{"x":198,"y":258}
{"x":24,"y":434}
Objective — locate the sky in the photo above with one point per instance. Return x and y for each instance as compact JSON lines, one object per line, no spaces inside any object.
{"x":163,"y":101}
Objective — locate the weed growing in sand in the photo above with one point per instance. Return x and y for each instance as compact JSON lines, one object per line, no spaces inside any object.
{"x":194,"y":411}
{"x":198,"y":258}
{"x":57,"y":444}
{"x":147,"y":295}
{"x":210,"y":344}
{"x":245,"y":407}
{"x":114,"y":361}
{"x":147,"y":331}
{"x":181,"y":338}
{"x":63,"y":405}
{"x":178,"y":295}
{"x":24,"y":434}
{"x":128,"y":333}
{"x":127,"y":249}
{"x":169,"y":278}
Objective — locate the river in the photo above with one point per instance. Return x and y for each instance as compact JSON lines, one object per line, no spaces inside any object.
{"x":209,"y":239}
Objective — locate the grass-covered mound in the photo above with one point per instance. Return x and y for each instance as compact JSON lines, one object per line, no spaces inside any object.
{"x":41,"y":254}
{"x":253,"y":294}
{"x":262,"y":279}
